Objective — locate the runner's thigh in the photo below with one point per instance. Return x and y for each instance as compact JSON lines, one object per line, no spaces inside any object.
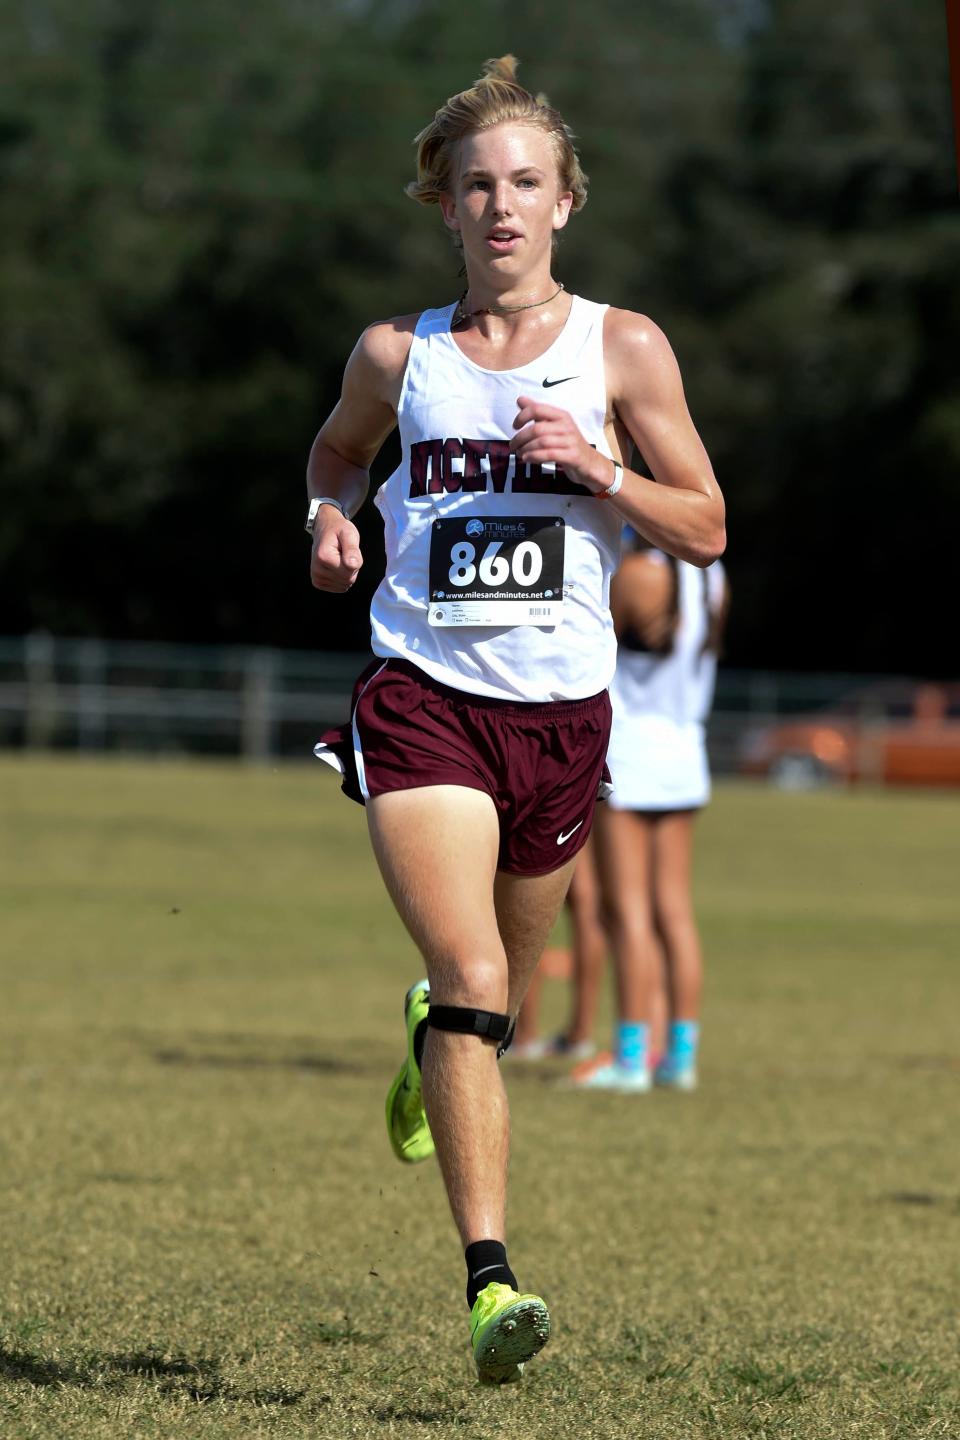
{"x":437,"y":851}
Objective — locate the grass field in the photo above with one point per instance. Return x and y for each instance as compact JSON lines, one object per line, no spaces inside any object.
{"x":204,"y":1233}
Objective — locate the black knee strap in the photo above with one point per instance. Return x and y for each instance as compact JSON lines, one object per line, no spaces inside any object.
{"x":466,"y":1021}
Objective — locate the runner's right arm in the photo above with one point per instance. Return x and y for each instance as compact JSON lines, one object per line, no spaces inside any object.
{"x":348,"y":442}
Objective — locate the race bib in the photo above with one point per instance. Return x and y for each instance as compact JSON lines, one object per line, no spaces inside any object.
{"x":487,"y":570}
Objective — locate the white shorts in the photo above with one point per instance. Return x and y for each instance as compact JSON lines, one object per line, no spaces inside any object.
{"x":656,"y":764}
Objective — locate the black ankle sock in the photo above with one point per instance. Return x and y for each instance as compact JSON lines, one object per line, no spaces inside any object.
{"x":487,"y":1265}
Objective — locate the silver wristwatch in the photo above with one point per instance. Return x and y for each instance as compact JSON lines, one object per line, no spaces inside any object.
{"x":313,"y":510}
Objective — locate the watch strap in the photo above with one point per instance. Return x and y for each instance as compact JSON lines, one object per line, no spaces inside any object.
{"x":313,"y":510}
{"x":614,"y":487}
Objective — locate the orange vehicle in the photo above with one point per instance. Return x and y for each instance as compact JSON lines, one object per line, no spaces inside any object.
{"x":891,"y":733}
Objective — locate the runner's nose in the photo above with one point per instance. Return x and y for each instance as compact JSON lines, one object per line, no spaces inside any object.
{"x":501,"y":200}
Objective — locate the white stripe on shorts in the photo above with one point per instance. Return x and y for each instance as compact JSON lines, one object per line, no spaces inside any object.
{"x":357,"y":749}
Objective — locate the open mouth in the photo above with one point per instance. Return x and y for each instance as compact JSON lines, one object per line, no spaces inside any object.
{"x":502,"y":238}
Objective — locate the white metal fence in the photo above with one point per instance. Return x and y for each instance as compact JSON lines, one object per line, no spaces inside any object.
{"x":262,"y":703}
{"x":111,"y":695}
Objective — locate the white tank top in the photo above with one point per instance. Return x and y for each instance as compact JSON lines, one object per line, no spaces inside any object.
{"x":469,"y":536}
{"x":679,"y":686}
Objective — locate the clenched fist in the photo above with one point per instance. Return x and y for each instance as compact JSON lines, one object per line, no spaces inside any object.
{"x":335,"y":560}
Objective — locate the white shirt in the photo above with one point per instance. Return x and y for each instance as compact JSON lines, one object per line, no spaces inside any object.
{"x":658,"y":752}
{"x":456,"y":421}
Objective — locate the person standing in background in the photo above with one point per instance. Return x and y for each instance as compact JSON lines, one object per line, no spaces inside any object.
{"x":582,"y":963}
{"x":669,"y":618}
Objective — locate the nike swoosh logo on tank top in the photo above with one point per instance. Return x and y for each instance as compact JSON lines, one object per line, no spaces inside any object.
{"x":562,"y":381}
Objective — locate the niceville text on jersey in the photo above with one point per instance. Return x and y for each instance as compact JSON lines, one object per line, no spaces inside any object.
{"x":497,"y":573}
{"x":456,"y":465}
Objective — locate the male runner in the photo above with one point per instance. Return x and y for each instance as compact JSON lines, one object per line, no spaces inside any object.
{"x":477,"y":737}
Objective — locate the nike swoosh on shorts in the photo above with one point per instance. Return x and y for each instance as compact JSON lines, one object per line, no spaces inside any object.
{"x":562,"y":839}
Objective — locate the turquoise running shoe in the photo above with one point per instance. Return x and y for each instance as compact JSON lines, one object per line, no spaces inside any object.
{"x":406,"y":1119}
{"x":671,"y":1076}
{"x":507,"y":1330}
{"x":605,"y":1072}
{"x":677,"y":1069}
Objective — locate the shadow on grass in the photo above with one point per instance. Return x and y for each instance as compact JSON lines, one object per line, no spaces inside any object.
{"x":125,"y":1177}
{"x":248,"y":1050}
{"x":20,"y":1365}
{"x":175,"y":1377}
{"x":924,"y":1198}
{"x":326,"y":1332}
{"x":416,"y":1416}
{"x":324,"y":1064}
{"x":200,"y":1380}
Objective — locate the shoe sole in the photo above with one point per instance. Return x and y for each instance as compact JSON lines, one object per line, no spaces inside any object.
{"x":512,"y":1338}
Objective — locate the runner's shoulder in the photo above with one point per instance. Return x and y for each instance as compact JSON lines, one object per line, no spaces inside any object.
{"x":384,"y":346}
{"x":637,"y":355}
{"x":629,"y":335}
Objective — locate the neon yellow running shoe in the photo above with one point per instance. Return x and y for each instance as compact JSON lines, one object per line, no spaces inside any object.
{"x":507,"y":1330}
{"x":406,"y":1121}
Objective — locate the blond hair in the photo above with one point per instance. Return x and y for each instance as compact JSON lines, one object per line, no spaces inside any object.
{"x":495,"y":99}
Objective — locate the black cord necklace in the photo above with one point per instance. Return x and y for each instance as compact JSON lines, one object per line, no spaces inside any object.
{"x":461,"y":316}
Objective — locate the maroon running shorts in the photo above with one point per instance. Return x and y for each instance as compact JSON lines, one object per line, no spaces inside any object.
{"x":542,"y":765}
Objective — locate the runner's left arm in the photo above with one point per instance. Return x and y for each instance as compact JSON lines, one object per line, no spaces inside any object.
{"x":681,"y":509}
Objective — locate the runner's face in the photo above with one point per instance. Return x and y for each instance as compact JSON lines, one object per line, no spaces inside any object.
{"x":506,"y":201}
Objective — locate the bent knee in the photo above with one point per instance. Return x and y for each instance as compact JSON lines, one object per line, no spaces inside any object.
{"x":479,"y":983}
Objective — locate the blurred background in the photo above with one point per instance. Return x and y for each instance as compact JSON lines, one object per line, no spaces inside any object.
{"x":203,"y":208}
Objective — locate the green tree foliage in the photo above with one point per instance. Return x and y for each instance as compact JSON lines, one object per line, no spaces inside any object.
{"x":204,"y":206}
{"x":820,"y":249}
